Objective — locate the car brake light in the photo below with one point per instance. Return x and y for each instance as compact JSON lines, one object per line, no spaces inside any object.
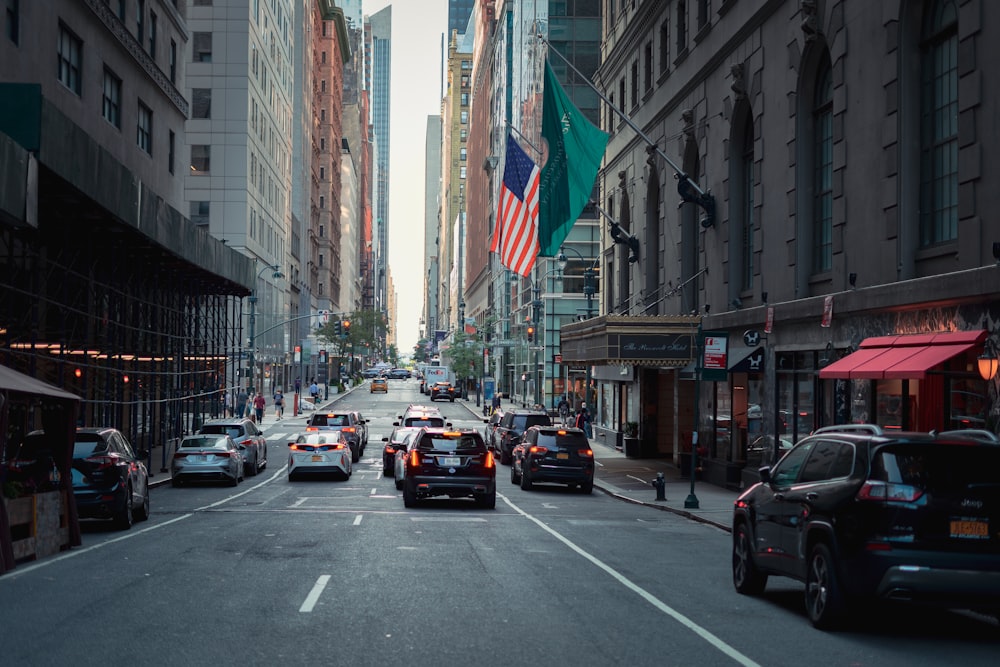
{"x":888,"y":492}
{"x":222,"y":455}
{"x":537,"y":449}
{"x":585,"y":453}
{"x":180,"y":455}
{"x":247,"y":442}
{"x":414,"y":459}
{"x":348,"y":429}
{"x":101,"y":462}
{"x":311,"y":428}
{"x":560,"y":432}
{"x":389,"y":449}
{"x":489,"y":462}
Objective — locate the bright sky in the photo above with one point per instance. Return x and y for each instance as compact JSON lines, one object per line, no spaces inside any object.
{"x":417,"y":27}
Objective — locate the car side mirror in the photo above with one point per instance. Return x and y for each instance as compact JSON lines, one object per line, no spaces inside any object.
{"x":765,"y":474}
{"x":395,"y":423}
{"x":386,"y":439}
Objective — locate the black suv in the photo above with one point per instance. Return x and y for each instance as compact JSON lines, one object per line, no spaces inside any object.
{"x":553,"y":454}
{"x":858,"y":513}
{"x":351,"y":423}
{"x":512,"y":426}
{"x":454,"y":463}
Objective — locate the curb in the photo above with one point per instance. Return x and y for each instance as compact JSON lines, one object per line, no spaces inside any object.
{"x":663,"y":508}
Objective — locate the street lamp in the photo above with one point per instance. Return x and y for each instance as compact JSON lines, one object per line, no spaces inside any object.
{"x":588,"y":291}
{"x":253,"y":316}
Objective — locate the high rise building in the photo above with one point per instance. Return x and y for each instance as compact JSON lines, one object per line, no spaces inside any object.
{"x":459,"y":12}
{"x":379,"y":77}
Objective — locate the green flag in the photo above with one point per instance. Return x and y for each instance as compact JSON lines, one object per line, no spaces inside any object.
{"x":575,"y":149}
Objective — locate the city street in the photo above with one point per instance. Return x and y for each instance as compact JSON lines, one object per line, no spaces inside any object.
{"x":338,"y":572}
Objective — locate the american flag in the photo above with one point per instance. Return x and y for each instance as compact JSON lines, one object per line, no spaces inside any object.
{"x":516,"y":234}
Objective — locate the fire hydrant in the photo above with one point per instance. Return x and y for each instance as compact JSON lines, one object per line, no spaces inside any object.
{"x":660,"y":485}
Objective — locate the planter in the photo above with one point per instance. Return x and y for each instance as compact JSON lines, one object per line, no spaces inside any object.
{"x":728,"y":474}
{"x":633,"y":447}
{"x":39,"y":526}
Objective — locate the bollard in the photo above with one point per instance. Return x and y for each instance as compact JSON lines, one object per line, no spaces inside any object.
{"x":660,"y":485}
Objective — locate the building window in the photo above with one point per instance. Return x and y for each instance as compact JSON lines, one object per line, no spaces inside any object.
{"x":465,"y":117}
{"x":621,"y":92}
{"x":463,"y":154}
{"x":823,"y":171}
{"x":665,"y":45}
{"x":462,"y":172}
{"x":647,"y":72}
{"x":201,"y":102}
{"x":199,"y":212}
{"x":12,"y":22}
{"x":463,"y":134}
{"x":681,"y":27}
{"x":939,"y":125}
{"x":140,"y":21}
{"x":322,"y":57}
{"x":322,"y":86}
{"x":465,"y":99}
{"x":322,"y":115}
{"x":144,"y":129}
{"x":322,"y":173}
{"x":203,"y":47}
{"x":635,"y":83}
{"x":171,"y":151}
{"x":321,"y":259}
{"x":111,"y":105}
{"x":322,"y":230}
{"x":746,"y":168}
{"x":322,"y":201}
{"x":121,"y":9}
{"x":152,"y":35}
{"x":703,"y":12}
{"x":70,"y":57}
{"x":319,"y":289}
{"x":201,"y":159}
{"x":173,"y":61}
{"x":322,"y":143}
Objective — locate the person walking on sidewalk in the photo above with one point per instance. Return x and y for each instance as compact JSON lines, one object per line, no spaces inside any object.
{"x":583,"y":421}
{"x":563,"y":408}
{"x":258,"y":407}
{"x":279,"y":404}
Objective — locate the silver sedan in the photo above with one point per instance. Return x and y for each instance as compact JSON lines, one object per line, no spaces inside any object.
{"x":207,"y":457}
{"x":320,"y":452}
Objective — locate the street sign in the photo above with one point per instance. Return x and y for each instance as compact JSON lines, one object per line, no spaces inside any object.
{"x":506,"y":342}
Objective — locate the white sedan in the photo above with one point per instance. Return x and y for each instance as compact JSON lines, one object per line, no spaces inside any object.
{"x":321,"y":452}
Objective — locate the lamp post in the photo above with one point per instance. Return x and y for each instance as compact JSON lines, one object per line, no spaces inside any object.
{"x":588,"y":290}
{"x":253,"y":320}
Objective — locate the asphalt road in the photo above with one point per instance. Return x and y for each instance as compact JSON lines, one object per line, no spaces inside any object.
{"x":339,"y":573}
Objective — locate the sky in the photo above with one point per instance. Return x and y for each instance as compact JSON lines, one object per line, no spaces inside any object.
{"x":415,"y":89}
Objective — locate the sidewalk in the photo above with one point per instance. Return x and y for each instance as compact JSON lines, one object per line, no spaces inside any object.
{"x":631,"y":480}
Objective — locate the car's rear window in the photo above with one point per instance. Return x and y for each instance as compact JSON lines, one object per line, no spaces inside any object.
{"x":433,"y":422}
{"x":331,"y":420}
{"x":566,"y":441}
{"x":234,"y":431}
{"x":523,"y":422}
{"x":85,"y":445}
{"x":457,"y":443}
{"x":938,"y":468}
{"x":202,"y":443}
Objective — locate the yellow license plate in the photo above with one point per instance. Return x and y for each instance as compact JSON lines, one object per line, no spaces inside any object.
{"x":316,"y":458}
{"x":562,"y":455}
{"x":970,"y":530}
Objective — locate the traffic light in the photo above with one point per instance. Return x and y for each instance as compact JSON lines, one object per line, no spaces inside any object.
{"x":322,"y":356}
{"x":338,"y":328}
{"x":346,"y":330}
{"x":531,"y":334}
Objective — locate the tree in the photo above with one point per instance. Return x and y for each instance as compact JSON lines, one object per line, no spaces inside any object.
{"x":420,"y":354}
{"x":465,"y":356}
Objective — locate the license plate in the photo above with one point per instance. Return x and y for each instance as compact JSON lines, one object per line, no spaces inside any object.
{"x":967,"y":529}
{"x":450,"y":460}
{"x":316,"y":458}
{"x":562,"y":455}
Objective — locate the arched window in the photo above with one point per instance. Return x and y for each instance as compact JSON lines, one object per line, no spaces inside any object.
{"x":741,"y":203}
{"x":939,"y":124}
{"x":747,"y":204}
{"x":822,"y":166}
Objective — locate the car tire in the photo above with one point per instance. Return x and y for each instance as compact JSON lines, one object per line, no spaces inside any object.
{"x":505,"y":459}
{"x":175,"y":482}
{"x":251,"y":468}
{"x":587,"y":488}
{"x":399,"y":484}
{"x":824,"y":597}
{"x":487,"y":500}
{"x":142,"y":512}
{"x":747,"y":579}
{"x":355,"y":456}
{"x":409,"y":496}
{"x":123,"y":519}
{"x":525,"y":479}
{"x":388,"y":472}
{"x":514,"y":477}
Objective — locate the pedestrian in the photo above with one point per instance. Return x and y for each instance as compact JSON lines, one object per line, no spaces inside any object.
{"x":241,"y":402}
{"x":258,"y":407}
{"x":314,"y":391}
{"x":585,"y":416}
{"x":298,"y":385}
{"x":279,"y":404}
{"x":228,"y":399}
{"x":563,"y":408}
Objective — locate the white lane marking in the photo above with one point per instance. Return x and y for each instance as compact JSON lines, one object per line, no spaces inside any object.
{"x":638,"y":480}
{"x":314,"y":594}
{"x":448,"y":519}
{"x":357,"y":520}
{"x":374,"y":491}
{"x":704,"y":633}
{"x":298,"y":502}
{"x":549,"y":506}
{"x":277,"y":473}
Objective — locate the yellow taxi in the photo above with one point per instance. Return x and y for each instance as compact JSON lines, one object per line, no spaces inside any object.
{"x":379,"y":384}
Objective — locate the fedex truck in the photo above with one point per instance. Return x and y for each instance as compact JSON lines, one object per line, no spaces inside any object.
{"x":434,"y":374}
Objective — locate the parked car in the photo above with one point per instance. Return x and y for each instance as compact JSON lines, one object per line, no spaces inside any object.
{"x":489,"y":433}
{"x":350,"y":422}
{"x":245,"y":433}
{"x":378,"y":385}
{"x":399,"y":374}
{"x":370,"y":373}
{"x":207,"y":457}
{"x":442,"y":390}
{"x":553,"y":454}
{"x":320,"y":452}
{"x":512,"y":426}
{"x":109,"y":480}
{"x":394,"y":443}
{"x":454,"y":463}
{"x":860,"y":514}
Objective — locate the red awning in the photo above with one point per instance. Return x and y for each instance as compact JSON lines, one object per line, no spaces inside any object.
{"x":902,"y":357}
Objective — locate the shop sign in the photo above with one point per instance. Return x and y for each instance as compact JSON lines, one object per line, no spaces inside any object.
{"x":715,"y":355}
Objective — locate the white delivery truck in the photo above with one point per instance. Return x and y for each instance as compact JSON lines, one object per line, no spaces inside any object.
{"x":434,"y":374}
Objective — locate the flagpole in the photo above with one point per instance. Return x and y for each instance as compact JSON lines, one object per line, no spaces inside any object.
{"x":684,"y":182}
{"x":523,"y":138}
